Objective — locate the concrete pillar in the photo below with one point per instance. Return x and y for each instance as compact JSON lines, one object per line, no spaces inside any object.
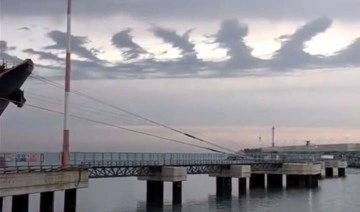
{"x":257,"y":181}
{"x":1,"y":203}
{"x":322,"y":172}
{"x":342,"y":172}
{"x":311,"y":181}
{"x":335,"y":168}
{"x":47,"y":202}
{"x":70,"y":200}
{"x":154,"y":193}
{"x":177,"y":194}
{"x":242,"y":186}
{"x":155,"y":186}
{"x":292,"y":181}
{"x":223,"y":186}
{"x":284,"y":181}
{"x":274,"y":181}
{"x":319,"y":176}
{"x":329,"y":172}
{"x":302,"y":181}
{"x":20,"y":203}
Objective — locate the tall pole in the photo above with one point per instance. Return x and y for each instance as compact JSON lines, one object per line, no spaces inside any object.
{"x":260,"y":141}
{"x":66,"y":136}
{"x":273,"y":136}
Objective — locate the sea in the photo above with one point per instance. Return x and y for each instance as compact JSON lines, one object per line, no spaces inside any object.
{"x":129,"y":194}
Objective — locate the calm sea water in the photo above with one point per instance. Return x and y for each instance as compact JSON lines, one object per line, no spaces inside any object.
{"x":128,"y":194}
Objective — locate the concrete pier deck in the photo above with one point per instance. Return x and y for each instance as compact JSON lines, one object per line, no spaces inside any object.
{"x":28,"y":183}
{"x":20,"y":185}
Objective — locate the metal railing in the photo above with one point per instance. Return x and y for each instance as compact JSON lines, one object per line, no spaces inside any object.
{"x":80,"y":158}
{"x":146,"y":159}
{"x":38,"y":169}
{"x":125,"y":164}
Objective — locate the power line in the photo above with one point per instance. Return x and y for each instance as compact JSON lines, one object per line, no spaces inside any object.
{"x":81,"y":107}
{"x":154,"y":122}
{"x":133,"y":114}
{"x":119,"y":127}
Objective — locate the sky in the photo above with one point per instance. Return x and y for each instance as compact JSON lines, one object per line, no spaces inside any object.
{"x":226,"y":71}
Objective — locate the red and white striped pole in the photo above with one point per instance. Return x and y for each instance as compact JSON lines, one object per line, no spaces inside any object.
{"x":66,"y":136}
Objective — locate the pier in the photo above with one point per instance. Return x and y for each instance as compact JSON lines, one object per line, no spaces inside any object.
{"x":24,"y":176}
{"x":19,"y":184}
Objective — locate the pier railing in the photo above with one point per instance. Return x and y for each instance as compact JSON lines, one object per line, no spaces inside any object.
{"x":147,"y":159}
{"x":125,"y":164}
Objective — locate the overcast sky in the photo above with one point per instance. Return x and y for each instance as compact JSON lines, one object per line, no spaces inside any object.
{"x":224,"y":70}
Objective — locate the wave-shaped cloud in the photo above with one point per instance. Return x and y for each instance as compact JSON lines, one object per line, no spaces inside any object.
{"x":291,"y":54}
{"x":230,"y":36}
{"x":123,"y":40}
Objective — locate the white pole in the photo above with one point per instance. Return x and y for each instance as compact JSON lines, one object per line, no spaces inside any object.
{"x":66,"y":136}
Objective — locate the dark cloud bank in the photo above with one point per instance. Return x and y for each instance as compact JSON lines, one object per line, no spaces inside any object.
{"x":139,"y":63}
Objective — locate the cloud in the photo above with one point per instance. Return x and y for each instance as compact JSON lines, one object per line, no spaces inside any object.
{"x":43,"y":55}
{"x":291,"y":54}
{"x":24,"y":28}
{"x":124,"y":41}
{"x":190,"y":9}
{"x":181,"y":42}
{"x":93,"y":67}
{"x":4,"y":53}
{"x":77,"y":45}
{"x":231,"y":37}
{"x":4,"y":46}
{"x":347,"y":56}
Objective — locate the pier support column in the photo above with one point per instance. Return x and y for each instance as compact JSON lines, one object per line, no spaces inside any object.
{"x":301,"y":175}
{"x":257,"y":181}
{"x":329,"y":172}
{"x":20,"y":203}
{"x":177,"y":193}
{"x":274,"y":181}
{"x":47,"y":202}
{"x":242,"y":186}
{"x":312,"y":181}
{"x":284,"y":181}
{"x":342,"y":172}
{"x":224,"y":176}
{"x":154,"y":193}
{"x":223,"y":186}
{"x":1,"y":203}
{"x":335,"y":168}
{"x":292,"y":181}
{"x":302,"y":181}
{"x":336,"y":172}
{"x":322,"y":172}
{"x":70,"y":200}
{"x":155,"y":185}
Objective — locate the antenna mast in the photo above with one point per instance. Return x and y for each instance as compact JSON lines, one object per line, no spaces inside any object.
{"x":273,"y":136}
{"x":66,"y":136}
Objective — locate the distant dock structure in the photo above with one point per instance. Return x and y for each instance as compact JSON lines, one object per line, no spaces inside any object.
{"x":340,"y":151}
{"x":345,"y":147}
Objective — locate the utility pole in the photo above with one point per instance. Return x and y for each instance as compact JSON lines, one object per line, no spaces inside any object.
{"x":260,"y":141}
{"x":65,"y":159}
{"x":273,"y":136}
